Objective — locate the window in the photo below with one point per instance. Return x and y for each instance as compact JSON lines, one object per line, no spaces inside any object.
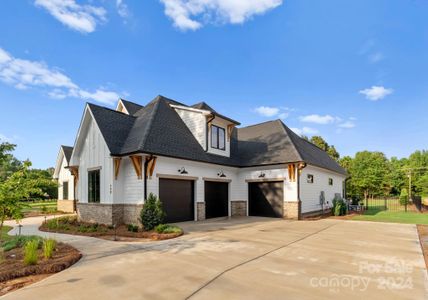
{"x":310,"y":178}
{"x":94,"y":186}
{"x":218,"y":138}
{"x":65,"y":190}
{"x":330,"y":181}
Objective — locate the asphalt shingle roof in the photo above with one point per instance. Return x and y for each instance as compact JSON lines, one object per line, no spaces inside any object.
{"x":131,"y":107}
{"x":67,"y":152}
{"x":157,"y":129}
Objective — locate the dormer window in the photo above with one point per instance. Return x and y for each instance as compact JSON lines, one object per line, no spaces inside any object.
{"x":218,"y":138}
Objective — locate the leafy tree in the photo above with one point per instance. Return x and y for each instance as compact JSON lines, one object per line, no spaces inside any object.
{"x":368,"y":172}
{"x":17,"y":187}
{"x":152,"y":213}
{"x":323,"y":145}
{"x":8,"y":163}
{"x":43,"y":179}
{"x":404,"y":197}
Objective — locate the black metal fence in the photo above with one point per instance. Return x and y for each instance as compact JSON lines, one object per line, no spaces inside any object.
{"x":392,"y":204}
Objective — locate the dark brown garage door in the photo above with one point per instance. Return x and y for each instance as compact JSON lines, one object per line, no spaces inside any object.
{"x":216,"y":199}
{"x":266,"y":199}
{"x":177,"y":199}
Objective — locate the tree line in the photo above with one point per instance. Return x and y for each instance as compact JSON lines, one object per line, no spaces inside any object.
{"x":372,"y":174}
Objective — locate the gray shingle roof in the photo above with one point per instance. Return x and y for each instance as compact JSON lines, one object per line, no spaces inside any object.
{"x":67,"y":152}
{"x":131,"y":107}
{"x":157,"y":129}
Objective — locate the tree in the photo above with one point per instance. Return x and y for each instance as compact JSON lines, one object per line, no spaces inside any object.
{"x":16,"y":187}
{"x":368,"y":172}
{"x":323,"y":145}
{"x":8,"y":163}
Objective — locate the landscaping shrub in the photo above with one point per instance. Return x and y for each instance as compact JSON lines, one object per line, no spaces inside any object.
{"x":165,"y":228}
{"x":152,"y":213}
{"x":132,"y":227}
{"x":20,"y":241}
{"x":30,"y":252}
{"x":48,"y":247}
{"x":339,"y":206}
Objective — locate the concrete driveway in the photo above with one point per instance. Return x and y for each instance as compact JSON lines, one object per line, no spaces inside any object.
{"x":247,"y":258}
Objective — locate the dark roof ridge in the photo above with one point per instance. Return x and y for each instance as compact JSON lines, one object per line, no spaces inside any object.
{"x":287,"y":132}
{"x":149,"y":124}
{"x":257,"y":124}
{"x":110,"y":109}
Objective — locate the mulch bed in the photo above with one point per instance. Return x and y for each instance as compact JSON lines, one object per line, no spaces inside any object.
{"x":423,"y":238}
{"x":122,"y":233}
{"x":15,"y":274}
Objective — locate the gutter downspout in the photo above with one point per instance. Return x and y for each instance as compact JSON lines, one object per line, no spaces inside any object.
{"x":210,"y":118}
{"x":146,"y":161}
{"x":300,"y":167}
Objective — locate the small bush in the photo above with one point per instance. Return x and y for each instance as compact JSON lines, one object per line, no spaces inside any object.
{"x":19,"y":241}
{"x":132,"y":227}
{"x":44,"y":209}
{"x":165,"y":228}
{"x":48,"y":247}
{"x":152,"y":213}
{"x":30,"y":252}
{"x":339,"y":207}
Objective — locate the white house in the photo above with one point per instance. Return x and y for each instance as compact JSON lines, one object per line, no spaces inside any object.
{"x":66,"y":181}
{"x":198,"y":162}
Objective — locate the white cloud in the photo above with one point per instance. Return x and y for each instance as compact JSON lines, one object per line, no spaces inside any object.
{"x":23,"y":74}
{"x":376,"y":57}
{"x":193,"y":14}
{"x":122,"y":9}
{"x":347,"y":124}
{"x":376,"y":92}
{"x":267,"y":111}
{"x":319,"y":119}
{"x":305,"y":130}
{"x":83,"y":18}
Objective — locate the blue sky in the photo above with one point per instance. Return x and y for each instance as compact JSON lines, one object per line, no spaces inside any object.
{"x":354,"y":72}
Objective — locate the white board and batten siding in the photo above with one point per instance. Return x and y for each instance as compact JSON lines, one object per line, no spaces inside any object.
{"x":64,"y":175}
{"x":271,"y":173}
{"x":95,"y":155}
{"x":196,"y":122}
{"x":310,"y":192}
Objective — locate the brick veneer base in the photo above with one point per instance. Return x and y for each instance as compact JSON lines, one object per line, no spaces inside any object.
{"x":65,"y":205}
{"x":238,"y":208}
{"x":109,"y":213}
{"x":292,"y":210}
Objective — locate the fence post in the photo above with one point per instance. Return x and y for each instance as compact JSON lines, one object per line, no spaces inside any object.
{"x":386,"y":207}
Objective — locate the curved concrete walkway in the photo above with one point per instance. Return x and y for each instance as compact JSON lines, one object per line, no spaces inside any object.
{"x":248,"y":258}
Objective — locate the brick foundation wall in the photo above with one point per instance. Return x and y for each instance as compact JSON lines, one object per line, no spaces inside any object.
{"x":200,"y":211}
{"x":109,"y":213}
{"x":238,"y":208}
{"x":292,"y":210}
{"x":66,"y":206}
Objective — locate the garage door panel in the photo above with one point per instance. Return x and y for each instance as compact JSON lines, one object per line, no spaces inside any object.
{"x":177,"y":199}
{"x":266,"y":199}
{"x":216,"y":199}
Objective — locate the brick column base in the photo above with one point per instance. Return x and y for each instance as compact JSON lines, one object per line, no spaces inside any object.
{"x":200,"y":211}
{"x":238,"y":208}
{"x":293,"y":210}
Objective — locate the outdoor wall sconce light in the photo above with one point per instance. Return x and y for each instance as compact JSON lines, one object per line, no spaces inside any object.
{"x":182,"y":170}
{"x":262,"y":175}
{"x":221,"y":174}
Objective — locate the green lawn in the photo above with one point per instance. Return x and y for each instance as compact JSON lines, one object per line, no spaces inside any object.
{"x":37,"y":206}
{"x":393,"y":216}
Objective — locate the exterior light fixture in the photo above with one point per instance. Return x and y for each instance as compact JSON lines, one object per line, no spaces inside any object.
{"x":262,"y":175}
{"x":221,"y":174}
{"x":182,"y":170}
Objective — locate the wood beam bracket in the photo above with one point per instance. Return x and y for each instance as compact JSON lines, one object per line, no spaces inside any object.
{"x":229,"y":131}
{"x":292,"y":172}
{"x":117,"y":161}
{"x":151,"y":163}
{"x":137,"y":162}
